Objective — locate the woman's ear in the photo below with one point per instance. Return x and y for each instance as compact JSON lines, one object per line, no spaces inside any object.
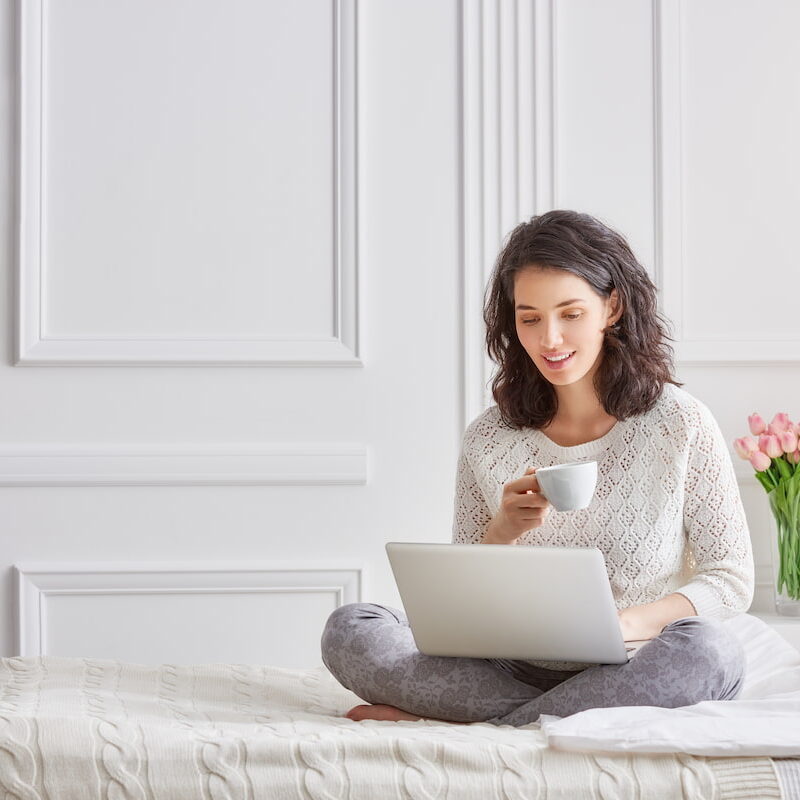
{"x":615,"y":306}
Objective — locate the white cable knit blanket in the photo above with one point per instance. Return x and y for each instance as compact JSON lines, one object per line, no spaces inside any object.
{"x":83,"y":728}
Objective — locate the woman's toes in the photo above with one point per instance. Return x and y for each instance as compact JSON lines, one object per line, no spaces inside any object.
{"x":355,"y":713}
{"x":379,"y":711}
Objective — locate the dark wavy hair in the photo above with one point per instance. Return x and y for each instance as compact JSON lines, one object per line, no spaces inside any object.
{"x":636,"y":359}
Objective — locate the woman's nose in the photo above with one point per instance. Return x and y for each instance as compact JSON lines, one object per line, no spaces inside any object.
{"x":551,"y":336}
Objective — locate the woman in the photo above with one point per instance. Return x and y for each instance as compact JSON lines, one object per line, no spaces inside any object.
{"x":583,"y":372}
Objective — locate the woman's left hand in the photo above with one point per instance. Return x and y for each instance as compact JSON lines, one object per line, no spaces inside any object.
{"x":635,"y":624}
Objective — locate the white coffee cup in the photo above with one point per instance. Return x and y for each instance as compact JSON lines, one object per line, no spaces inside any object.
{"x":568,"y":487}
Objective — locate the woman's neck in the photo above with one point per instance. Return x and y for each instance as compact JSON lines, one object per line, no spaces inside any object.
{"x":580,"y":408}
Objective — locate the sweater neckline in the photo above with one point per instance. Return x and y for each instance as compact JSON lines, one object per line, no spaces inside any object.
{"x":577,"y":451}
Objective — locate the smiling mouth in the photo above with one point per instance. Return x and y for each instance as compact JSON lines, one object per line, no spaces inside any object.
{"x":559,"y":360}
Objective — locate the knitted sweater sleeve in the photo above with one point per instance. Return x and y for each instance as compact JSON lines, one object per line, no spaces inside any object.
{"x":471,"y":514}
{"x":715,"y":524}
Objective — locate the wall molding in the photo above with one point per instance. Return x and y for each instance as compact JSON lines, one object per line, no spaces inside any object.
{"x":670,"y":229}
{"x":190,"y":464}
{"x":36,"y":584}
{"x":34,"y":347}
{"x":507,"y":58}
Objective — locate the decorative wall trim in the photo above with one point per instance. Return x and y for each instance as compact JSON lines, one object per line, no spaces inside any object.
{"x":201,"y":464}
{"x":507,"y":54}
{"x":35,"y":347}
{"x":36,"y":583}
{"x":670,"y":249}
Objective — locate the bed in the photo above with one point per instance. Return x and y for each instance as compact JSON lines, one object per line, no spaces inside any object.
{"x":87,"y":727}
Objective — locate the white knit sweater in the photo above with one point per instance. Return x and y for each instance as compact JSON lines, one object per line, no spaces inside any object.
{"x":667,"y":514}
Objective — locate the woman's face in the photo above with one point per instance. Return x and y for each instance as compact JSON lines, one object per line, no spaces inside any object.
{"x":558,"y":313}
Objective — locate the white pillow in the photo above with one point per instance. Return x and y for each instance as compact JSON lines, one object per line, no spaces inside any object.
{"x":763,"y":720}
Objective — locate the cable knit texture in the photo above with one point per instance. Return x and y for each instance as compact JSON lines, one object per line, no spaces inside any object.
{"x":667,"y":514}
{"x":93,"y":728}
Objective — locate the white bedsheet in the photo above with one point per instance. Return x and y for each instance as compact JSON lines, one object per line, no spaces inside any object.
{"x":763,"y":720}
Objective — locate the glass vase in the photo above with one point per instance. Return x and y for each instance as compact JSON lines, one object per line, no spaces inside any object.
{"x":784,"y":502}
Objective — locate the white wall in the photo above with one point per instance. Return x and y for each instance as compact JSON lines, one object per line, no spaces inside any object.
{"x":243,"y":311}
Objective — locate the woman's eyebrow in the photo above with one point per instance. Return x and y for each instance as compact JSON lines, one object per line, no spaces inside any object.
{"x":565,"y":303}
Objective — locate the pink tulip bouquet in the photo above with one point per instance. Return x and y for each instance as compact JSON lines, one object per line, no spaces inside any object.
{"x":775,"y":457}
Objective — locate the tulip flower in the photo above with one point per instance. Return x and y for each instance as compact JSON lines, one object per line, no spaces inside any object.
{"x":794,"y":458}
{"x":780,"y":423}
{"x":760,"y":461}
{"x":745,"y":446}
{"x":788,"y":441}
{"x":757,"y":424}
{"x":769,"y":444}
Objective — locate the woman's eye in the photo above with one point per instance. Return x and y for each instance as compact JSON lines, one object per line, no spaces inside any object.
{"x":568,"y":316}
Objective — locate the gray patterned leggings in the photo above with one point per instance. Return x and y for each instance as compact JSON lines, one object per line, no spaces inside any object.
{"x":370,"y":650}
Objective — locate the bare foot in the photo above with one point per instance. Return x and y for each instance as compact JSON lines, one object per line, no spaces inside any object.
{"x":386,"y":712}
{"x":379,"y":711}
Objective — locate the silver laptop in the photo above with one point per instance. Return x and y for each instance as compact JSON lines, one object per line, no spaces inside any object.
{"x":509,"y":601}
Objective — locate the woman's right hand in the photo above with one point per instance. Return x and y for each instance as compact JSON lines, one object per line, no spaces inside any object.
{"x":522,"y":508}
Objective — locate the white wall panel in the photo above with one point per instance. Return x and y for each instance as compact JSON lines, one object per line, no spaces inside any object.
{"x":507,"y":74}
{"x":188,"y":182}
{"x":158,"y":613}
{"x":742,"y":103}
{"x":729,"y":115}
